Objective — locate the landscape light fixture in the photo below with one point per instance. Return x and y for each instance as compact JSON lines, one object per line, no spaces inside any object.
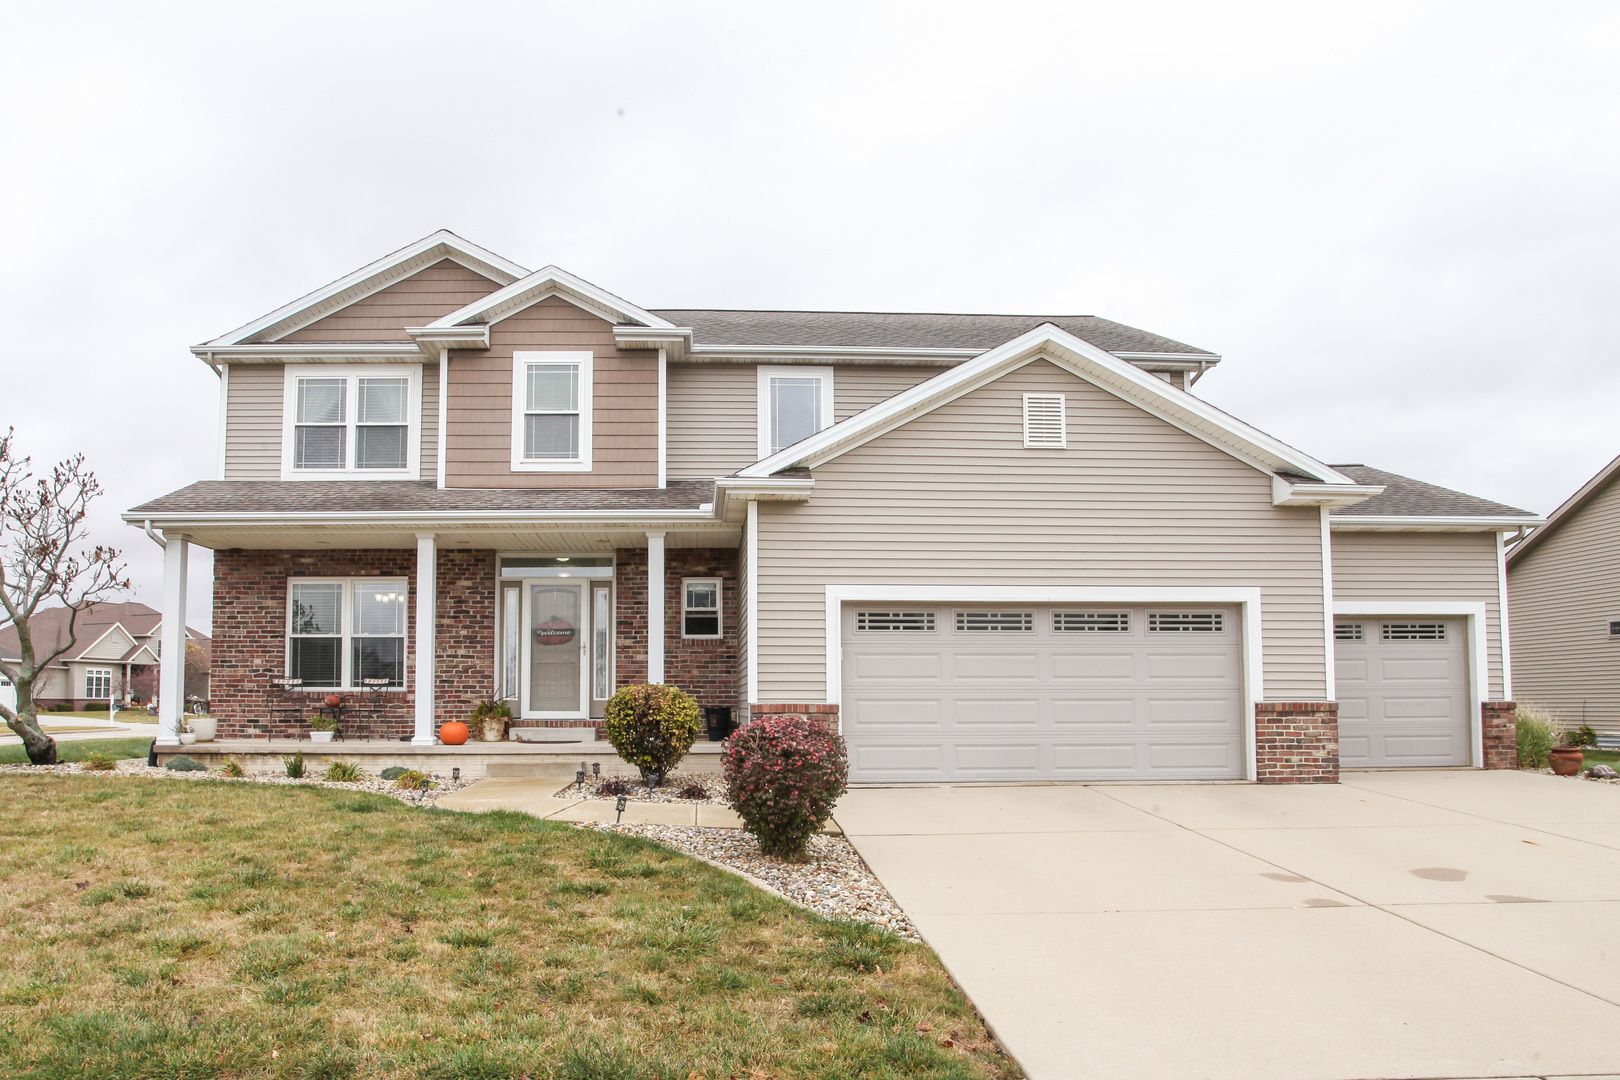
{"x":579,"y":779}
{"x":619,"y":806}
{"x":455,"y":773}
{"x":596,"y":768}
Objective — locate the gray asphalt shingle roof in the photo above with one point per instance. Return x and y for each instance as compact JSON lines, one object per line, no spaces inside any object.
{"x":407,"y":496}
{"x":1406,"y":497}
{"x":905,"y":330}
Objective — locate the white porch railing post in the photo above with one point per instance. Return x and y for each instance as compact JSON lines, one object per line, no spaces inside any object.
{"x":426,"y":613}
{"x":655,"y":607}
{"x":172,"y":643}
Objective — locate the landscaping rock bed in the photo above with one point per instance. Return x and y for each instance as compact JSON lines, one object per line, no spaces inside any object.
{"x":835,"y":882}
{"x":138,"y":767}
{"x":669,"y":792}
{"x":1579,"y":776}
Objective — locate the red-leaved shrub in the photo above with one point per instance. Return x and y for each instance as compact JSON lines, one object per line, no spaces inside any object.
{"x":783,"y":775}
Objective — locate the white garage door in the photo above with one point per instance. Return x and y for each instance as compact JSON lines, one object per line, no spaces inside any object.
{"x":1403,"y":691}
{"x":936,"y":692}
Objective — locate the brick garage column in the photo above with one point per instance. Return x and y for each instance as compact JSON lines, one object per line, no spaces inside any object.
{"x":1499,"y":721}
{"x":1296,"y":742}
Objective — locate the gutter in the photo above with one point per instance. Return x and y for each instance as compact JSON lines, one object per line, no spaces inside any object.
{"x":1432,"y":522}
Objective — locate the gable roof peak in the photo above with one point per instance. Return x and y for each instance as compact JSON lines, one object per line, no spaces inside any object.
{"x":550,"y":280}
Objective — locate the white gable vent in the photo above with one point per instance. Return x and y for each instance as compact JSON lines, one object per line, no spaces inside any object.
{"x":1169,"y":622}
{"x":1079,"y":622}
{"x":1347,"y":631}
{"x":1415,"y":631}
{"x":990,"y":622}
{"x":894,"y":621}
{"x":1045,"y":420}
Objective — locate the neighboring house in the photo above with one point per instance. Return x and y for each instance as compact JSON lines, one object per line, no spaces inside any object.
{"x":113,"y":645}
{"x":1564,"y":579}
{"x":988,"y":547}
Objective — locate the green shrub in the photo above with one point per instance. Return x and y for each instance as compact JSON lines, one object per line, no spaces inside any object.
{"x":1579,"y":736}
{"x":783,"y":775}
{"x":322,"y":723}
{"x":344,"y":772}
{"x":1536,"y":736}
{"x":233,"y":768}
{"x":98,"y":761}
{"x":412,"y":780}
{"x":294,"y":765}
{"x":652,"y":727}
{"x":393,"y":772}
{"x":94,"y":706}
{"x":186,"y":764}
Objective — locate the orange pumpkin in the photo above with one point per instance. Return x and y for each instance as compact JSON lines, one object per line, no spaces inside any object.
{"x":454,"y":733}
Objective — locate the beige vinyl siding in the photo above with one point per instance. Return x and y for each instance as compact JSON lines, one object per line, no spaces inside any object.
{"x":112,"y":646}
{"x":430,"y":421}
{"x":858,"y":387}
{"x":953,"y":499}
{"x":1562,"y":596}
{"x":712,"y":417}
{"x":625,"y":391}
{"x":713,"y":410}
{"x":1408,"y":568}
{"x":426,"y":295}
{"x":253,"y":422}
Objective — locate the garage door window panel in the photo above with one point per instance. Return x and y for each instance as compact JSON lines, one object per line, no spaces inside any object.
{"x":995,"y":622}
{"x":1091,"y":622}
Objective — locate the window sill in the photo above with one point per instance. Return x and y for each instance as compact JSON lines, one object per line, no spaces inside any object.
{"x":350,"y":474}
{"x":551,"y":466}
{"x":703,"y":637}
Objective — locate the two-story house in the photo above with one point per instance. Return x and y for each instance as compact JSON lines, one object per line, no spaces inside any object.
{"x":987,"y":547}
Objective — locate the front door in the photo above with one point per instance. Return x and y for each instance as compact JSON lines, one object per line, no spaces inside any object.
{"x":555,"y":676}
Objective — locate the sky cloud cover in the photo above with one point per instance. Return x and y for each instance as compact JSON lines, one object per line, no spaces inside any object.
{"x":1396,"y":221}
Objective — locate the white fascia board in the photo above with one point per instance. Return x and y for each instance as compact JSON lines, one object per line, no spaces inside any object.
{"x":551,"y":281}
{"x":430,"y":339}
{"x":1179,"y":359}
{"x":1098,"y":366}
{"x":678,"y":338}
{"x":795,"y":488}
{"x":371,"y":352}
{"x":435,"y":518}
{"x":1436,"y":523}
{"x":1564,"y":510}
{"x":777,"y":353}
{"x":478,"y":259}
{"x":1286,"y":493}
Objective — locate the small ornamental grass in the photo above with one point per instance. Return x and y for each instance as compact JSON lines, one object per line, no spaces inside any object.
{"x":783,"y":775}
{"x":1536,"y":736}
{"x":413,"y":780}
{"x":344,"y":772}
{"x":652,"y":727}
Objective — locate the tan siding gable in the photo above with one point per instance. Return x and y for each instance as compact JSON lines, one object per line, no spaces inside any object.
{"x":1408,"y":568}
{"x":113,"y":645}
{"x":253,"y":422}
{"x":859,"y":387}
{"x":954,"y":498}
{"x":419,"y":299}
{"x":625,"y":420}
{"x":1562,"y":596}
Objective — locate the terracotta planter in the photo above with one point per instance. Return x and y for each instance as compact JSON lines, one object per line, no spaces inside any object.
{"x":1565,"y":760}
{"x":454,"y":733}
{"x":494,"y":730}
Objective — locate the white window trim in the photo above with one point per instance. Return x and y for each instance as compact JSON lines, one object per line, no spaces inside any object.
{"x":719,"y":607}
{"x":520,"y":394}
{"x":762,"y":394}
{"x":346,"y":625}
{"x":352,"y":372}
{"x":92,"y":672}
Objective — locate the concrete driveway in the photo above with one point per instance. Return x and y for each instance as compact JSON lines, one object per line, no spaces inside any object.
{"x":1411,"y":924}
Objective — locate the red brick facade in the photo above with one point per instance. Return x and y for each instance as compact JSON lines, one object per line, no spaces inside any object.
{"x":706,"y":668}
{"x":824,"y":712}
{"x":1501,"y":730}
{"x":250,"y":632}
{"x":1296,"y":742}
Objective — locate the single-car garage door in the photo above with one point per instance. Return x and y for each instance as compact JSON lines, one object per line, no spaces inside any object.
{"x":1403,"y":691}
{"x":935,"y":692}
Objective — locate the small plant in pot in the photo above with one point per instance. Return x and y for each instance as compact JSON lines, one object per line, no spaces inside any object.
{"x":321,"y":728}
{"x":491,"y":717}
{"x":652,"y":727}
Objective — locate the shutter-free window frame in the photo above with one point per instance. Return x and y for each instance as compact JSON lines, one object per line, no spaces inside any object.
{"x":347,"y":635}
{"x":765,"y":399}
{"x":351,"y":376}
{"x":584,"y":407}
{"x":1046,"y":421}
{"x":688,"y":611}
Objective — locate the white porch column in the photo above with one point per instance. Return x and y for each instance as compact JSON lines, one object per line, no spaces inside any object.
{"x":655,"y":607}
{"x":172,"y":642}
{"x":426,"y":613}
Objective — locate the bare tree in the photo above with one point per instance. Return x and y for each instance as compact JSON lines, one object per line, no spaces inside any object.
{"x":43,"y":558}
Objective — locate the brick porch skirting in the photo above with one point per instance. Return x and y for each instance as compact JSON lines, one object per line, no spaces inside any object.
{"x":1501,"y":730}
{"x":828,"y":714}
{"x":1296,"y":742}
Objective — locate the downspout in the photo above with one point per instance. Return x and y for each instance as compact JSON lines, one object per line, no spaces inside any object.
{"x":154,"y":537}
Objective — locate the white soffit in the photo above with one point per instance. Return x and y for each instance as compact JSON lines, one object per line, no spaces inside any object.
{"x":543,"y":283}
{"x":1097,"y":366}
{"x":371,"y":278}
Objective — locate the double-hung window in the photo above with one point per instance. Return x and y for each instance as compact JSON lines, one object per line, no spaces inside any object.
{"x":348,"y":422}
{"x":342,"y":632}
{"x":700,"y":608}
{"x":794,"y":404}
{"x":551,"y":411}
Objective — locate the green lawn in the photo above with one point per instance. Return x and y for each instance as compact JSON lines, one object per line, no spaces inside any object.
{"x":1610,"y":758}
{"x":76,"y":750}
{"x":197,"y":929}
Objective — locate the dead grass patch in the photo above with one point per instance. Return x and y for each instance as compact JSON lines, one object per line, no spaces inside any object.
{"x":200,"y":930}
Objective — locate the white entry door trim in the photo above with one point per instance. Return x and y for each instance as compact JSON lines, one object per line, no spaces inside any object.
{"x":1478,"y":671}
{"x":1248,"y":601}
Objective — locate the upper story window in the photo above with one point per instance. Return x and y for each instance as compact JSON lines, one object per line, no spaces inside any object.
{"x":347,"y":422}
{"x":794,"y":404}
{"x":551,"y":411}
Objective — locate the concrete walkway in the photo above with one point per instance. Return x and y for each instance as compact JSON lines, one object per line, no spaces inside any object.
{"x":1412,"y":924}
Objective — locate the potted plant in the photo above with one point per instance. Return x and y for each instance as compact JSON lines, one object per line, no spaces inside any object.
{"x":187,"y":736}
{"x":206,"y":727}
{"x":491,"y":718}
{"x":1566,"y":758}
{"x":321,"y":728}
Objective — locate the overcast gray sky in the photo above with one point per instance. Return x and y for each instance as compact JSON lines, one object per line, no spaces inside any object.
{"x":1398,"y":222}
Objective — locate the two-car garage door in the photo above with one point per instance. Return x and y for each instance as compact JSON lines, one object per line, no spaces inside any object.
{"x":937,"y":692}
